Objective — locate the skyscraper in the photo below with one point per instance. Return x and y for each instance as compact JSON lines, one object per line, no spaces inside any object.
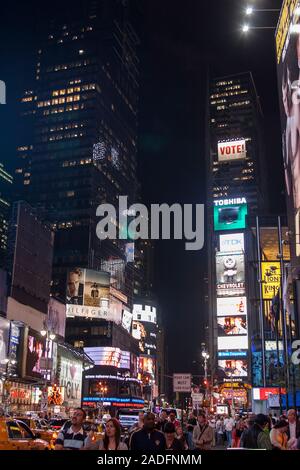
{"x":82,"y":111}
{"x":236,"y":164}
{"x":236,"y":188}
{"x":6,"y":181}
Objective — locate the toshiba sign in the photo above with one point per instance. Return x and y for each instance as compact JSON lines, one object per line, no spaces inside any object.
{"x":231,"y":151}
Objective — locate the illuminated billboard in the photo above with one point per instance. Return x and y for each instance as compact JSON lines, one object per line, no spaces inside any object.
{"x":146,"y":365}
{"x":232,"y":151}
{"x":4,"y":339}
{"x":232,"y":343}
{"x":230,"y":306}
{"x":232,"y":243}
{"x":108,"y":356}
{"x":87,"y":287}
{"x":270,"y":273}
{"x":230,"y":214}
{"x":233,"y":368}
{"x":288,"y":54}
{"x":230,"y":274}
{"x":127,"y":320}
{"x":232,"y":325}
{"x":146,"y":334}
{"x":144,"y":313}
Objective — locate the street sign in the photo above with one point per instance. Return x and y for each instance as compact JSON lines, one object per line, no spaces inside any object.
{"x":182,"y":383}
{"x":197,"y":399}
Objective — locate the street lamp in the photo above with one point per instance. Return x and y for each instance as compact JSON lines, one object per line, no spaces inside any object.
{"x":205,"y":356}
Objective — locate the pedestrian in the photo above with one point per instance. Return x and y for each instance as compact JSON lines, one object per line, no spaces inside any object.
{"x":203,"y":433}
{"x":111,"y":439}
{"x":278,"y":435}
{"x":228,"y":425}
{"x":73,"y":437}
{"x":212,"y":424}
{"x":139,"y":424}
{"x":171,"y":442}
{"x":173,"y":419}
{"x":246,"y":441}
{"x":162,"y":420}
{"x":182,"y":438}
{"x":148,"y":439}
{"x":293,"y":431}
{"x":192,"y":422}
{"x":220,"y":431}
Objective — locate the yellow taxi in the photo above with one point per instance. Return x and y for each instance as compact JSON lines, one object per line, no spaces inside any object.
{"x":16,"y":435}
{"x":40,"y":429}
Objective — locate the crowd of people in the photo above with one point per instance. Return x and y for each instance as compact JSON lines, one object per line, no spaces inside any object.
{"x":164,"y":432}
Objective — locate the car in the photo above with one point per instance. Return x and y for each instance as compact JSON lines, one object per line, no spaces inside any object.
{"x":57,"y":423}
{"x":40,"y":429}
{"x":16,"y":435}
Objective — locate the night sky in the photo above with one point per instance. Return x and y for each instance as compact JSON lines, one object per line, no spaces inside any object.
{"x":182,"y":42}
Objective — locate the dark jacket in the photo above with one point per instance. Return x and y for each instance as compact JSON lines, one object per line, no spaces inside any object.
{"x":144,"y":441}
{"x":297,"y":430}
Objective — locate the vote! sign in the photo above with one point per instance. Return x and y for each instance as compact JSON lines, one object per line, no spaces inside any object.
{"x":231,"y":151}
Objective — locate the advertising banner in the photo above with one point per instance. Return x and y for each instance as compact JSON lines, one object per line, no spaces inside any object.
{"x":4,"y":337}
{"x":232,"y":325}
{"x":230,"y":214}
{"x":232,"y":342}
{"x":232,"y":243}
{"x":56,"y":317}
{"x":146,"y":365}
{"x":146,"y":334}
{"x":70,"y":378}
{"x":230,"y":274}
{"x":288,"y":54}
{"x":270,"y":272}
{"x":232,"y":151}
{"x":87,"y":287}
{"x":108,"y":356}
{"x":231,"y":306}
{"x":233,"y":368}
{"x":127,"y":320}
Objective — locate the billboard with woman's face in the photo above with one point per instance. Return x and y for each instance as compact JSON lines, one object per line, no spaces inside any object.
{"x":288,"y":70}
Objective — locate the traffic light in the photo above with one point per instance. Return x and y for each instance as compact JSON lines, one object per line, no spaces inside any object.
{"x":205,"y":382}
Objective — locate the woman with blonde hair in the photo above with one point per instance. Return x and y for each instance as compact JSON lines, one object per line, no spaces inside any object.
{"x":278,"y":435}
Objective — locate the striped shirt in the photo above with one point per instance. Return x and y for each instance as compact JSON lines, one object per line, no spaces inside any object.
{"x":70,"y":439}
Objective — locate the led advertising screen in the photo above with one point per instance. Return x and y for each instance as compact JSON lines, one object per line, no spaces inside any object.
{"x":232,"y":343}
{"x":230,"y":274}
{"x":232,"y":326}
{"x":107,"y":356}
{"x":36,"y":355}
{"x":146,"y":365}
{"x":230,"y":214}
{"x":4,"y":337}
{"x":146,"y":334}
{"x":232,"y":243}
{"x":288,"y":54}
{"x":233,"y":368}
{"x":144,"y":313}
{"x":232,"y":151}
{"x":270,"y":273}
{"x":231,"y":306}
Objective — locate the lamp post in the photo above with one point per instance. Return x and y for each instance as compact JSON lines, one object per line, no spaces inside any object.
{"x":103,"y":390}
{"x":49,"y":336}
{"x":205,"y":356}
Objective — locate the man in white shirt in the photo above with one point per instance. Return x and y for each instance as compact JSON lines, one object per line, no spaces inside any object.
{"x":229,"y":425}
{"x":293,"y":431}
